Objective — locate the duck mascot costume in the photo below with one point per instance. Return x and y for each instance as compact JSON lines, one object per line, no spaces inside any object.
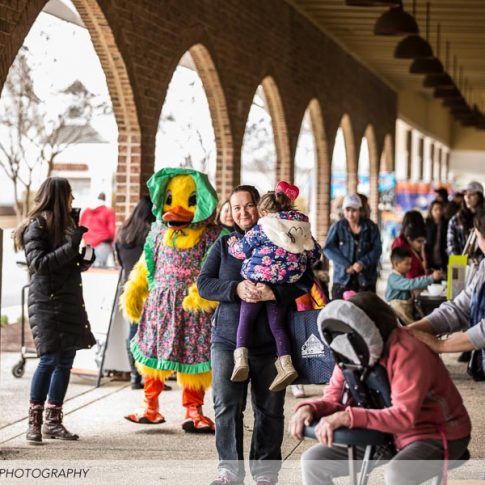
{"x":174,"y":329}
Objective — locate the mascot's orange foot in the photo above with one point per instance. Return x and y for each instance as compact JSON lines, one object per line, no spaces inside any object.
{"x":144,"y":417}
{"x":198,"y":423}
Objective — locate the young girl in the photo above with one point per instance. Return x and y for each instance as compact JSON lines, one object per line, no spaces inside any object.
{"x":275,"y":251}
{"x":57,"y":316}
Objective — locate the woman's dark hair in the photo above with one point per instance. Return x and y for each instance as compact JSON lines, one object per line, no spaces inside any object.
{"x":429,"y":217}
{"x":219,"y":211}
{"x":247,"y":188}
{"x":275,"y":202}
{"x":134,"y":230}
{"x":479,"y":221}
{"x":50,"y":202}
{"x":378,"y":311}
{"x":413,"y":226}
{"x":466,"y":216}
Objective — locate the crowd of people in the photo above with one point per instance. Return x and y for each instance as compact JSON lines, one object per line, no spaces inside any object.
{"x":249,"y":262}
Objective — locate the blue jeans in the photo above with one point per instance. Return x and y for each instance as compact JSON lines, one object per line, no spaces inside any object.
{"x":229,"y":405}
{"x":51,"y":377}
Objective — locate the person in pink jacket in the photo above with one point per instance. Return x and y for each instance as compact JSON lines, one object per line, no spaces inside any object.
{"x":426,"y":418}
{"x":100,"y":222}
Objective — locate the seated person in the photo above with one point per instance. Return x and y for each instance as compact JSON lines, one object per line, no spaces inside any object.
{"x":426,"y":410}
{"x":399,"y":288}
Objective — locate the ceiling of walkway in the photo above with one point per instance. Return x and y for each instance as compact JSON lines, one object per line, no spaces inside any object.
{"x":462,"y":24}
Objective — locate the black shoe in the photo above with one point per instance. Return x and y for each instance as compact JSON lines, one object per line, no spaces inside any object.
{"x":137,"y":385}
{"x":464,"y":357}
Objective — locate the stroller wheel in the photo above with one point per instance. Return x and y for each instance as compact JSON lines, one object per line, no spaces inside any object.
{"x":18,"y":369}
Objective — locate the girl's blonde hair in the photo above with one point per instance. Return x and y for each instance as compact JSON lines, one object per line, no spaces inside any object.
{"x":275,"y":202}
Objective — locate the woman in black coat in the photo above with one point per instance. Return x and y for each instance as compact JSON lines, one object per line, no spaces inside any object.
{"x":129,"y":247}
{"x":57,"y":316}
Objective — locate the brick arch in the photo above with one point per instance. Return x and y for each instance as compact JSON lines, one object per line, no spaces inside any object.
{"x":284,"y":169}
{"x":386,"y":163}
{"x":373,"y":170}
{"x":129,"y":146}
{"x":352,"y":176}
{"x":322,"y":174}
{"x":220,"y":119}
{"x":128,"y":172}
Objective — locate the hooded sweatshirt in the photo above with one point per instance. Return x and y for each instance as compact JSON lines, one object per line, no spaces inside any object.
{"x":100,"y":222}
{"x":277,"y":249}
{"x":424,"y":398}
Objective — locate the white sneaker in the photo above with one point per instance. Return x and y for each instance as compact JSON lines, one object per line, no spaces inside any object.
{"x":298,"y":390}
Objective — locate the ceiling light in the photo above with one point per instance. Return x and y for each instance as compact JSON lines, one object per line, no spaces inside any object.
{"x":441,"y":80}
{"x":396,"y":21}
{"x":411,"y":47}
{"x":373,"y":3}
{"x":430,"y":65}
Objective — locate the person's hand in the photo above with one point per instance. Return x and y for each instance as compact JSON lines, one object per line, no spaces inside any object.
{"x":437,"y":275}
{"x":302,"y":417}
{"x":431,"y":341}
{"x":326,"y":426}
{"x":358,"y":267}
{"x":422,"y":325}
{"x":247,"y":291}
{"x":77,"y":235}
{"x":232,"y":240}
{"x":350,"y":270}
{"x":265,"y":292}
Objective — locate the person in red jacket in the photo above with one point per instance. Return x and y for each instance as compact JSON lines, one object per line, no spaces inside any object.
{"x":413,"y":237}
{"x":101,"y":224}
{"x":426,"y":418}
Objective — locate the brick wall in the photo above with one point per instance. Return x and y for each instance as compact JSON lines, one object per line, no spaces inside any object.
{"x":235,"y":45}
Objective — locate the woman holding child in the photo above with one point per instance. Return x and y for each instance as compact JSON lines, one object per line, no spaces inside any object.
{"x":220,"y":279}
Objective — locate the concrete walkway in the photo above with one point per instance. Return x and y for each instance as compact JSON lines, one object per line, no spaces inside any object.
{"x":112,"y":449}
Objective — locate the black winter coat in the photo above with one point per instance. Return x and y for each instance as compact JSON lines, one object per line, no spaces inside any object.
{"x":218,"y":280}
{"x":57,"y":315}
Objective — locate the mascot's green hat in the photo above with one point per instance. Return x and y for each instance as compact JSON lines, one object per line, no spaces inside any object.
{"x":206,"y":195}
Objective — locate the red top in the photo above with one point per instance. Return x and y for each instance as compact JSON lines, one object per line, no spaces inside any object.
{"x":101,"y":224}
{"x":417,"y":267}
{"x":424,"y":398}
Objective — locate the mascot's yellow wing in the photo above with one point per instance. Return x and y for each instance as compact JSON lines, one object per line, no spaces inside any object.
{"x":194,"y":303}
{"x":135,"y":291}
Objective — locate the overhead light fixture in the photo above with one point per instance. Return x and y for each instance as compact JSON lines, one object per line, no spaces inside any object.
{"x":414,"y":46}
{"x":373,"y":3}
{"x":430,"y":65}
{"x":411,"y":47}
{"x":441,"y":80}
{"x":447,"y":93}
{"x":397,"y":21}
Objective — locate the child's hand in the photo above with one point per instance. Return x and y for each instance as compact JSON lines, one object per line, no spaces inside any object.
{"x":232,"y":240}
{"x":437,"y":275}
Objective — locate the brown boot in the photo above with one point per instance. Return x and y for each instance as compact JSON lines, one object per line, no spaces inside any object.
{"x":241,"y":365}
{"x":286,"y":373}
{"x":53,"y":427}
{"x":34,"y":434}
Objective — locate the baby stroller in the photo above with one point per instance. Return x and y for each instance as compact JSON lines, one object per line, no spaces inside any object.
{"x":357,"y":346}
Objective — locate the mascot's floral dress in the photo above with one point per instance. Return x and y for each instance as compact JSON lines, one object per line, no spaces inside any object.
{"x":168,"y":337}
{"x":174,"y":329}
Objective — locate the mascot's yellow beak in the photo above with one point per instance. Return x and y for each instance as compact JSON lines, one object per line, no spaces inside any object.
{"x":180,"y":202}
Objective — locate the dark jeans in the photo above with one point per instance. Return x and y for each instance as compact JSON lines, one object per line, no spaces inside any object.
{"x":276,"y":315}
{"x":51,"y":377}
{"x":229,"y":405}
{"x":135,"y":377}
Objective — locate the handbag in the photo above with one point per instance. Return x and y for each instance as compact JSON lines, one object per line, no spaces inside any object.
{"x":475,"y":366}
{"x":311,"y":358}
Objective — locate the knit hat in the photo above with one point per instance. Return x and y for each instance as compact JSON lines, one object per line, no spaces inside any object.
{"x":474,"y":186}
